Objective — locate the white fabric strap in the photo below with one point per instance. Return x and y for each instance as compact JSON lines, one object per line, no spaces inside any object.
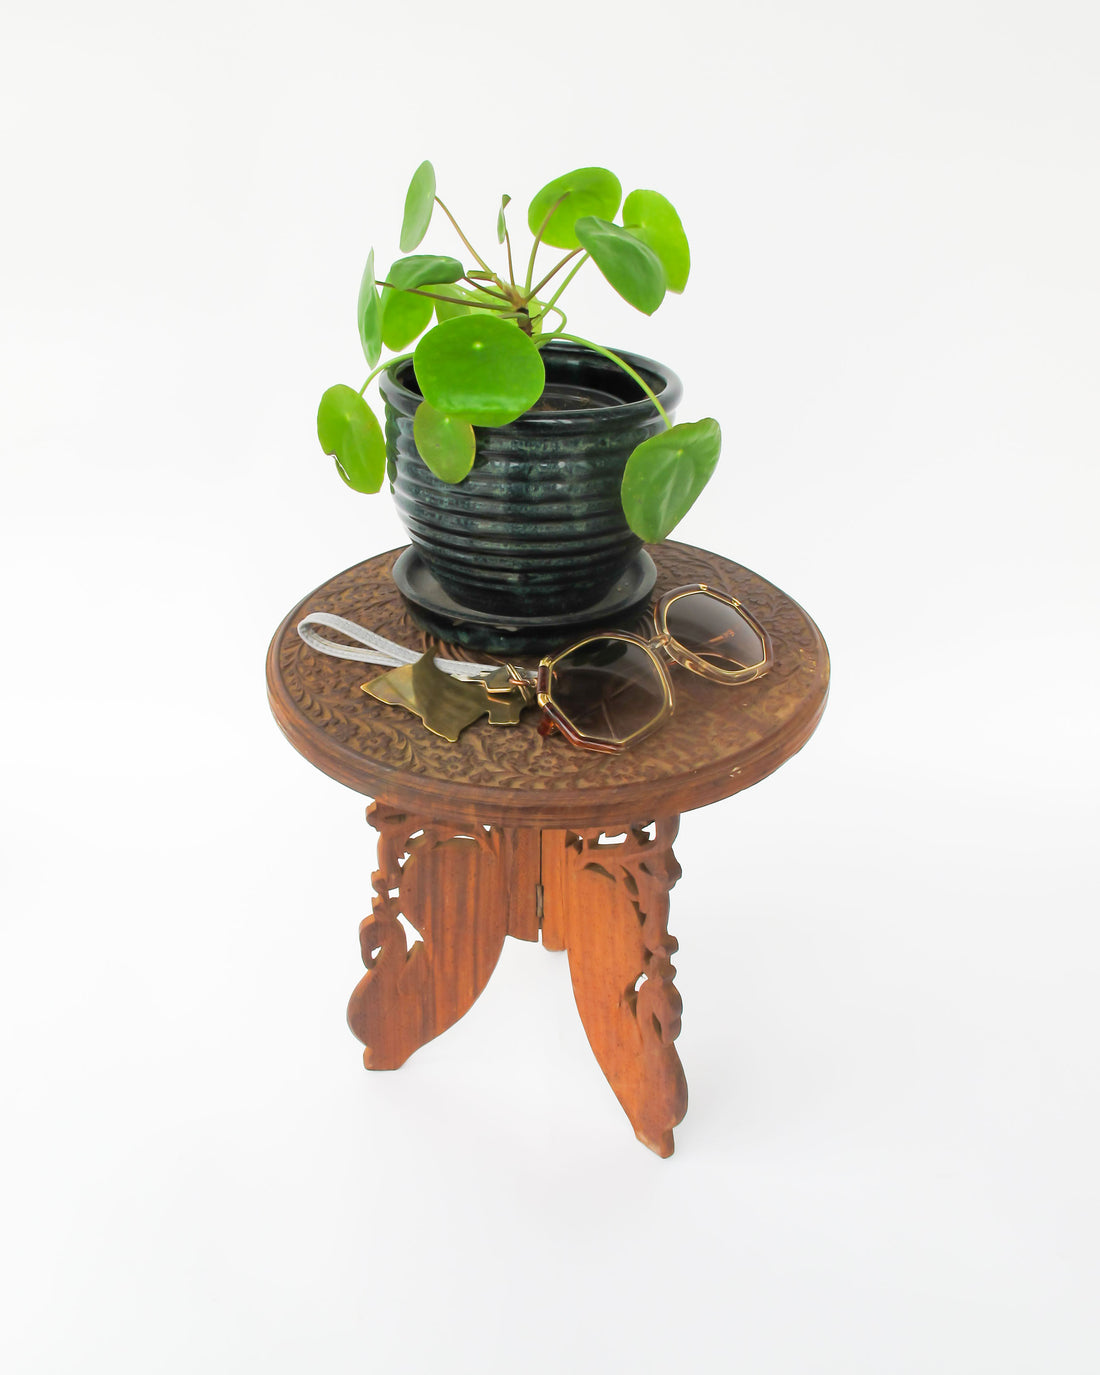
{"x":376,"y":649}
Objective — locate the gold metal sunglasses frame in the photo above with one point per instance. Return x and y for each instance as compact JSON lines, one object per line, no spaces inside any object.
{"x":662,"y":640}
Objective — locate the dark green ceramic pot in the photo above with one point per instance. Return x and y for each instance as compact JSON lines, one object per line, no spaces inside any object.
{"x":537,"y":525}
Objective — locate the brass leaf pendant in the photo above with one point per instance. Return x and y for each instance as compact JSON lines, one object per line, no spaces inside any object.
{"x":446,"y":705}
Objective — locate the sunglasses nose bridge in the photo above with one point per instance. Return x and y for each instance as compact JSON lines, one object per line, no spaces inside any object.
{"x":661,"y":640}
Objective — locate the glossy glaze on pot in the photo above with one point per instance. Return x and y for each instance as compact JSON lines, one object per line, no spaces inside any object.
{"x":538,"y":523}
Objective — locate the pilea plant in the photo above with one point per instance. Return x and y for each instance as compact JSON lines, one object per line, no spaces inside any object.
{"x":480,"y":363}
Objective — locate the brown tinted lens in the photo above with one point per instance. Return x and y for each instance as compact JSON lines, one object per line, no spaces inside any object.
{"x":715,"y":631}
{"x":608,"y":689}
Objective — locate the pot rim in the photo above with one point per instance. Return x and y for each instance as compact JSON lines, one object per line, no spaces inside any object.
{"x":669,"y":391}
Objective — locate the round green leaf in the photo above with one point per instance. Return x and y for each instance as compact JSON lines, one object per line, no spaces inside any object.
{"x":445,"y":444}
{"x":370,"y":314}
{"x":633,"y":270}
{"x":422,"y":269}
{"x":350,"y":432}
{"x":587,"y":191}
{"x":479,"y":369}
{"x":404,"y":318}
{"x":665,"y":474}
{"x":502,"y":227}
{"x":419,"y":204}
{"x":652,"y":219}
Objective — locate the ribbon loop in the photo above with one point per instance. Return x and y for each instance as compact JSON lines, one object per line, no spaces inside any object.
{"x":373,"y":648}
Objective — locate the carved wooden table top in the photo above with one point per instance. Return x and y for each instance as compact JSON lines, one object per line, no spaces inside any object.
{"x":721,"y":739}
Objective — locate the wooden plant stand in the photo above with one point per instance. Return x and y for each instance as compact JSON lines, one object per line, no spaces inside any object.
{"x":509,"y":833}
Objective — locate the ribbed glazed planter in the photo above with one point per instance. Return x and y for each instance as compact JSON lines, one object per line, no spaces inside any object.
{"x":537,"y":526}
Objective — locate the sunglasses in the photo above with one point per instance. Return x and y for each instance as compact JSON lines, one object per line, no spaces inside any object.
{"x":611,"y":690}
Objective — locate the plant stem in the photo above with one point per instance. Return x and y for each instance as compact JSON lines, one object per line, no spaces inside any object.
{"x":508,"y":246}
{"x":434,"y":296}
{"x":488,"y":290}
{"x":401,"y":357}
{"x":555,"y":270}
{"x":568,"y":279}
{"x":598,"y":348}
{"x":467,"y":242}
{"x":554,"y":333}
{"x":538,"y":239}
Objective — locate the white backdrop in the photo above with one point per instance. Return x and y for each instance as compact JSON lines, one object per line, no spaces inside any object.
{"x":888,"y":949}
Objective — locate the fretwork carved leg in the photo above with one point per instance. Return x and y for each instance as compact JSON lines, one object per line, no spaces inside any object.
{"x":452,"y":886}
{"x":606,"y":902}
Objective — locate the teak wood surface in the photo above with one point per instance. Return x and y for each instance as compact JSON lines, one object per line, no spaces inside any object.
{"x":721,"y":739}
{"x":509,"y":832}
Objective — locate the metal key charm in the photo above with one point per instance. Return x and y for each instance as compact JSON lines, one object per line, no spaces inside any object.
{"x":447,"y":705}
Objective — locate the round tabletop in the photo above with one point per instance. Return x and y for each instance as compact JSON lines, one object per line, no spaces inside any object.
{"x":720,"y":738}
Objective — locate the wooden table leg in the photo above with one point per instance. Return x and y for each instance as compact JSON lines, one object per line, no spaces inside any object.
{"x":452,"y":885}
{"x":606,"y":901}
{"x":602,"y":897}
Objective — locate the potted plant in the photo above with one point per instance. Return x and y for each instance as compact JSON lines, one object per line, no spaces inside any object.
{"x":528,"y":464}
